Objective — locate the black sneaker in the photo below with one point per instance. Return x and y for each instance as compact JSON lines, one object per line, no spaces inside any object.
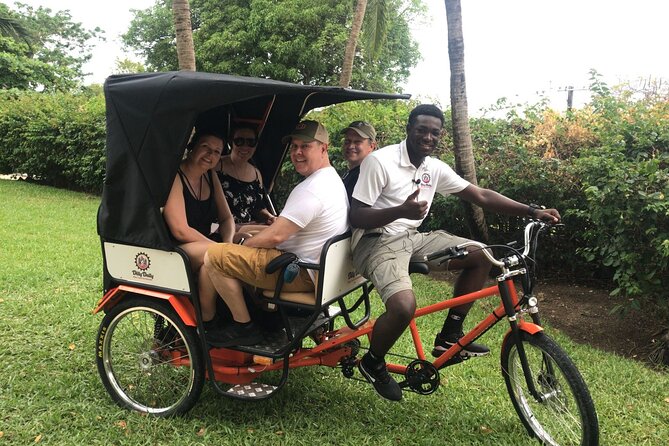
{"x":444,"y":342}
{"x":233,"y":334}
{"x":377,"y":374}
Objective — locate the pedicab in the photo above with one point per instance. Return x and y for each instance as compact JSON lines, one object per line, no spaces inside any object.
{"x":151,"y":353}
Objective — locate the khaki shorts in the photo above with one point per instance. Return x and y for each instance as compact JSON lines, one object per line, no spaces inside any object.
{"x":248,"y":265}
{"x":384,"y":259}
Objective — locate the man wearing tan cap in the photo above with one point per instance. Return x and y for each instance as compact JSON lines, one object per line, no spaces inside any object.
{"x":359,"y":141}
{"x":316,"y":210}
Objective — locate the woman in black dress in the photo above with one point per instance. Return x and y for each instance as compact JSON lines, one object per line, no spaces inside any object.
{"x":196,"y":201}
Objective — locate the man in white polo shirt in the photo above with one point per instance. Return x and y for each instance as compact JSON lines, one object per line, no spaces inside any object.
{"x":390,"y":200}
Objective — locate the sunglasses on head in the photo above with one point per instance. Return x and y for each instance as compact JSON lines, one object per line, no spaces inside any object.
{"x":249,"y":142}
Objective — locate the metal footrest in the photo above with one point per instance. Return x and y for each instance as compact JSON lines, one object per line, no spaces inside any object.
{"x":252,"y":390}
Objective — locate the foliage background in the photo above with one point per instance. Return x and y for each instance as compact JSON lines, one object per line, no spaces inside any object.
{"x":51,"y":54}
{"x":298,"y":41}
{"x":57,"y":138}
{"x":605,"y":167}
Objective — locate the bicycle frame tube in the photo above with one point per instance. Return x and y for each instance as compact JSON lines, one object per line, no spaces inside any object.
{"x":477,"y":331}
{"x":330,"y":351}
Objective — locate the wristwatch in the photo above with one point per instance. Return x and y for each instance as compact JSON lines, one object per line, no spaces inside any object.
{"x":532,"y":209}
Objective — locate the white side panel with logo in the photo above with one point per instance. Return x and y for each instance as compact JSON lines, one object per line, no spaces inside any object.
{"x":145,"y":266}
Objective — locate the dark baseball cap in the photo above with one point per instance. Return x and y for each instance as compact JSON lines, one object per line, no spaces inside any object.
{"x":363,"y":129}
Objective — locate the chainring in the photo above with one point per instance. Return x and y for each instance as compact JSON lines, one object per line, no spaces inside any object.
{"x":422,"y":377}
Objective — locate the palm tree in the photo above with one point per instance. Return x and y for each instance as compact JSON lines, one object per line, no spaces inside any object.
{"x":184,"y":33}
{"x":10,"y":27}
{"x":351,"y":43}
{"x":376,"y":34}
{"x":462,"y":137}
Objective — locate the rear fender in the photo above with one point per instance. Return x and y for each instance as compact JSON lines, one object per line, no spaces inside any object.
{"x":180,"y":304}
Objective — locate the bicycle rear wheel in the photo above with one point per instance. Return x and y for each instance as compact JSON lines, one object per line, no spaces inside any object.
{"x":563,"y":412}
{"x":148,"y":359}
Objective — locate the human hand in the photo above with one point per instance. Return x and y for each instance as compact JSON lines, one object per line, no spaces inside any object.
{"x":241,"y":235}
{"x":268,"y":216}
{"x":547,"y":215}
{"x":270,"y":219}
{"x":412,"y":208}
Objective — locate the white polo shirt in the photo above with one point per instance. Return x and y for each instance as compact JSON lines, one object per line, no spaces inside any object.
{"x":387,"y":178}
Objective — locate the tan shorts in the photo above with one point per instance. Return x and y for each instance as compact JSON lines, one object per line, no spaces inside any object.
{"x":384,"y":259}
{"x":248,"y":265}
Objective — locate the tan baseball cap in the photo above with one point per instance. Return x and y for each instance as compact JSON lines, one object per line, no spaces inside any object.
{"x":308,"y":131}
{"x":363,"y":129}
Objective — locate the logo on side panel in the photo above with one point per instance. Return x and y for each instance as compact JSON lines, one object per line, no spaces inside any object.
{"x":143,"y":263}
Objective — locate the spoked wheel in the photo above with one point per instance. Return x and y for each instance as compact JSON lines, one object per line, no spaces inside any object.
{"x":148,"y":359}
{"x":562,"y":412}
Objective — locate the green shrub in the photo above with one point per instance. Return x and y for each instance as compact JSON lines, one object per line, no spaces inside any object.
{"x":56,"y":138}
{"x":626,"y":185}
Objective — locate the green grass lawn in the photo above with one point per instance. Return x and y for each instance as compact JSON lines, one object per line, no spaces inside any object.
{"x":50,"y":392}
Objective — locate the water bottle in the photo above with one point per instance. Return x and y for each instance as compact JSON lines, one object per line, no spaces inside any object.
{"x":291,"y":272}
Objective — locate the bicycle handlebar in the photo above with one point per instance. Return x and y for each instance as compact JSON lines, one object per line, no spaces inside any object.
{"x":459,"y":250}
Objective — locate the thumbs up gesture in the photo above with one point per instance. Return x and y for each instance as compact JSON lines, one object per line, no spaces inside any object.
{"x":412,"y":208}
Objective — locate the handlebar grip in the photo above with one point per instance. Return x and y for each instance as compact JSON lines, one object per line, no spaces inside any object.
{"x":447,"y":254}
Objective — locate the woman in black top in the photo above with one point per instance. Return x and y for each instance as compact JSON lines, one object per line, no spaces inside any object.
{"x":242,"y":181}
{"x":196,"y":201}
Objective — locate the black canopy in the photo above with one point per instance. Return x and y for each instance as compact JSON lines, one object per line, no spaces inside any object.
{"x":150,"y":118}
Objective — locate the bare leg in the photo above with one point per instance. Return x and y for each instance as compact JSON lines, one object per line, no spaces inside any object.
{"x":230,"y":289}
{"x":400,"y":308}
{"x":475,"y":269}
{"x":207,"y":295}
{"x":196,"y":252}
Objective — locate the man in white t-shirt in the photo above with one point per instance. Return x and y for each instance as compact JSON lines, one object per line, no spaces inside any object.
{"x":316,"y":210}
{"x":390,"y":200}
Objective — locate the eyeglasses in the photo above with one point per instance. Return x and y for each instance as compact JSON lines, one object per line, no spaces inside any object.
{"x":249,"y":142}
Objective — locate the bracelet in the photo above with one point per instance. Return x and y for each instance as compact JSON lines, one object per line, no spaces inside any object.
{"x":241,"y":241}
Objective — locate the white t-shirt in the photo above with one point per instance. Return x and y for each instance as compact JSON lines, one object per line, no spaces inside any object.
{"x":318,"y":205}
{"x":387,"y":178}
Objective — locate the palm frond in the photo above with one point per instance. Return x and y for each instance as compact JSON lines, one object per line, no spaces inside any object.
{"x":10,"y":27}
{"x":376,"y":27}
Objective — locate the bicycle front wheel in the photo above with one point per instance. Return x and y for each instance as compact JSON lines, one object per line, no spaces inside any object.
{"x":561,"y":412}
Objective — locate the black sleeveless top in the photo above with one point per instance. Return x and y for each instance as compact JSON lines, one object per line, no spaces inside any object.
{"x":199,"y":213}
{"x":245,"y":199}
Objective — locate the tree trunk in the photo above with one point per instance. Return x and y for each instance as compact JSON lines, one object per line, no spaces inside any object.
{"x":349,"y":54}
{"x":184,"y":33}
{"x":462,"y":138}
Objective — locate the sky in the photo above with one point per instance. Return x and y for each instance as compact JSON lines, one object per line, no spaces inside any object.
{"x":518,"y":49}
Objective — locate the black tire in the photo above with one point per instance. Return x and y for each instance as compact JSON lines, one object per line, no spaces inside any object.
{"x":148,"y":359}
{"x":566,"y":414}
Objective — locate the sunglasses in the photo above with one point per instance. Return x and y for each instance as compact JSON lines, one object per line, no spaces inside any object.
{"x":249,"y":142}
